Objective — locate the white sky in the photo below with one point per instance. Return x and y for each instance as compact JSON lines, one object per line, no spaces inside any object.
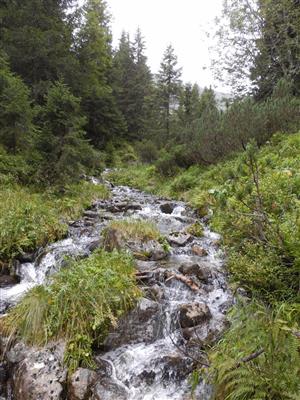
{"x":182,"y":23}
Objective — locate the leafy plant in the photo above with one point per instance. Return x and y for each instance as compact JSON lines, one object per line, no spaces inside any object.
{"x":258,"y":358}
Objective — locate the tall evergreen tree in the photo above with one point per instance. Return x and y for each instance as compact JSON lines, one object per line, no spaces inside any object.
{"x":169,"y":84}
{"x":94,"y":86}
{"x":132,"y":83}
{"x":16,"y":113}
{"x":37,"y":36}
{"x":123,"y":79}
{"x":63,"y":145}
{"x":142,"y":84}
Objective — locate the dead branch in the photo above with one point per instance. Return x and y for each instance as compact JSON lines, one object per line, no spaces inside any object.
{"x":187,"y":281}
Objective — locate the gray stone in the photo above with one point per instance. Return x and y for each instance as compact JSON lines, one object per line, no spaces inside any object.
{"x":201,"y":270}
{"x":180,"y":239}
{"x":108,"y":390}
{"x":80,"y":384}
{"x":41,"y":375}
{"x":193,"y":314}
{"x":140,"y":325}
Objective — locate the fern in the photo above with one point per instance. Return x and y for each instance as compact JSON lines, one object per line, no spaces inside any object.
{"x":274,"y":373}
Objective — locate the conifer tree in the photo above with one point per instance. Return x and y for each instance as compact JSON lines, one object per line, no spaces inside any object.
{"x":37,"y":36}
{"x":169,"y":84}
{"x":16,"y":113}
{"x":63,"y":144}
{"x":104,"y":120}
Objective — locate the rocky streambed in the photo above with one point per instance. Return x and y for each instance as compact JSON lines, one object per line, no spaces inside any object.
{"x":154,"y":349}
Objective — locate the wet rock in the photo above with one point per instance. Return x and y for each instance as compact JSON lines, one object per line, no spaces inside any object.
{"x":142,"y":324}
{"x":156,"y":293}
{"x":133,"y":206}
{"x":41,"y":374}
{"x":108,"y":390}
{"x":176,"y":367}
{"x":3,"y":373}
{"x":91,"y":214}
{"x":104,"y":368}
{"x":199,"y":251}
{"x":80,"y":384}
{"x":145,"y":265}
{"x":26,"y":257}
{"x":167,"y":208}
{"x":193,"y":314}
{"x":8,"y":280}
{"x":147,"y":377}
{"x":201,"y":270}
{"x":179,"y":239}
{"x":17,"y":353}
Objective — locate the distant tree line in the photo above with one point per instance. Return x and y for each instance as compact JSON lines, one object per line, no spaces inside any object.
{"x":66,"y":95}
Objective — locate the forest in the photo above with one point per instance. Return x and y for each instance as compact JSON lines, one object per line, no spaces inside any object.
{"x":72,"y":105}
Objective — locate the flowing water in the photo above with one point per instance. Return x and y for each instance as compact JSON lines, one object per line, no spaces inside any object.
{"x":151,"y":354}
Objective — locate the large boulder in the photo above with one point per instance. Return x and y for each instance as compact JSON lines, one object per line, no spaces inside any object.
{"x":193,"y":314}
{"x":38,"y":374}
{"x":140,"y":325}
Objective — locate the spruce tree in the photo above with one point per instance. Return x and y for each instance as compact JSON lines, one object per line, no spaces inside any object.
{"x":123,"y":80}
{"x":169,"y":85}
{"x":104,"y":120}
{"x":37,"y":36}
{"x":142,"y":85}
{"x":16,"y":112}
{"x":63,"y":144}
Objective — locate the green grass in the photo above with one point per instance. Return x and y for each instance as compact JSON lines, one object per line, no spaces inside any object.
{"x":30,"y":218}
{"x":136,"y":229}
{"x":81,"y":317}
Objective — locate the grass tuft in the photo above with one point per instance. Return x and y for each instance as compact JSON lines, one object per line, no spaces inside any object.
{"x":81,"y":304}
{"x":136,"y":229}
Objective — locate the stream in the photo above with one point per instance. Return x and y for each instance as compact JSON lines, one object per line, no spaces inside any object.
{"x":154,"y":349}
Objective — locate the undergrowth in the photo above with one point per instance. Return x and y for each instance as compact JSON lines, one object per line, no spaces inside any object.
{"x":82,"y":318}
{"x":30,"y":218}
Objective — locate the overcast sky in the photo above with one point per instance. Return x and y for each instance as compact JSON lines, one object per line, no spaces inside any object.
{"x":182,"y":23}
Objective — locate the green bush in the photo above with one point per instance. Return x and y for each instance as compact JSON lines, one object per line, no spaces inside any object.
{"x":107,"y":290}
